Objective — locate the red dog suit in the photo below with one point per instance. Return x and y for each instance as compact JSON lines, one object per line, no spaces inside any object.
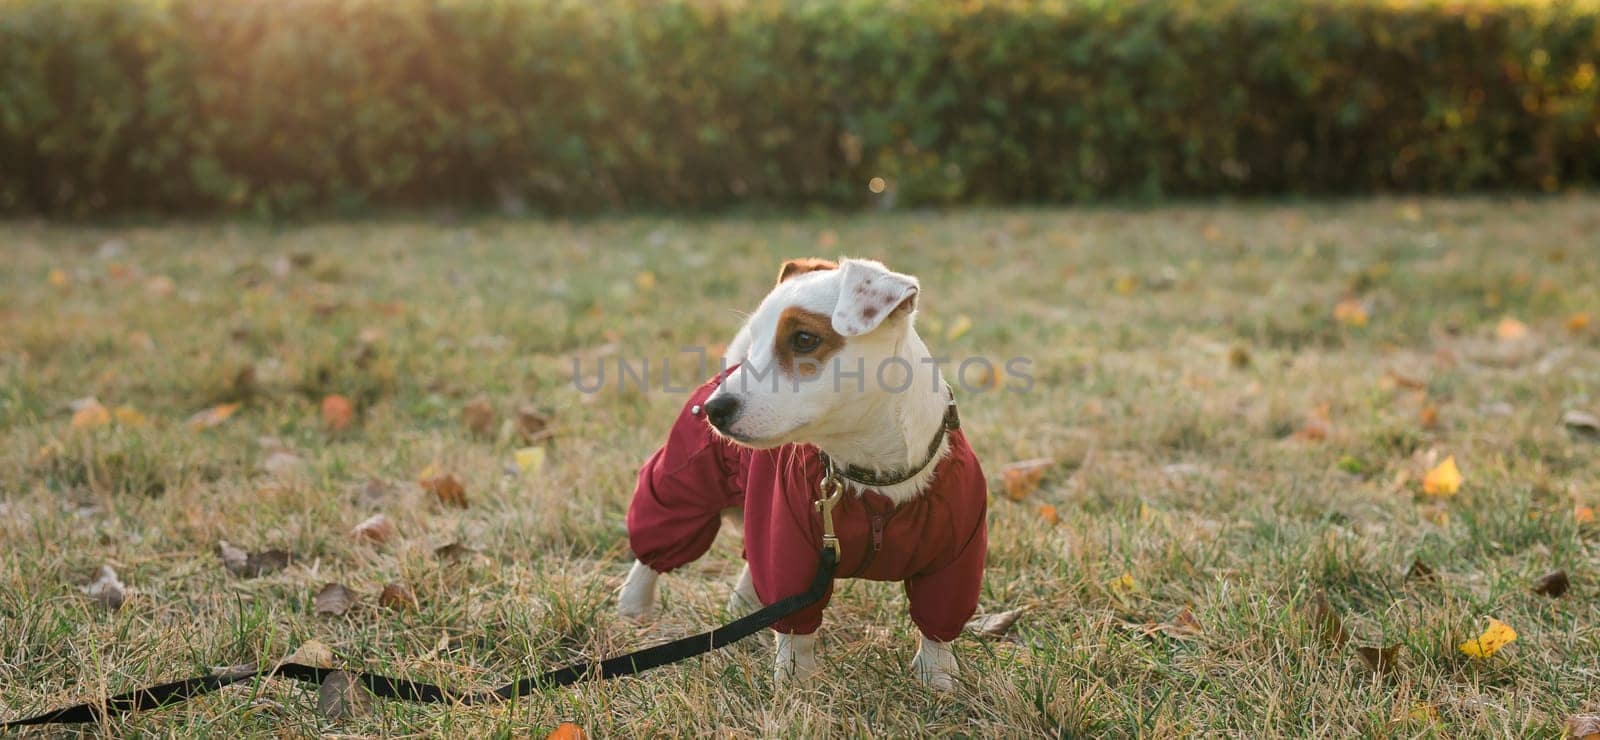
{"x":934,"y":542}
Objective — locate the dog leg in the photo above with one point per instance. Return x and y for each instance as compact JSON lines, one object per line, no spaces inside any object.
{"x":637,"y":598}
{"x":935,"y":665}
{"x":743,"y":600}
{"x":797,"y":658}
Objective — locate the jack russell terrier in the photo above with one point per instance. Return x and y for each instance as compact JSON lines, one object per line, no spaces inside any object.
{"x":827,"y":376}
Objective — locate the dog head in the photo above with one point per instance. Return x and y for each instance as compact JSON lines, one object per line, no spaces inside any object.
{"x":814,"y":353}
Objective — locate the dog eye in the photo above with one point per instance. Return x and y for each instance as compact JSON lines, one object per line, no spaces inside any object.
{"x":804,"y":341}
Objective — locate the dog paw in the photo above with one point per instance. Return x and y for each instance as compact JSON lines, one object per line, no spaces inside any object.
{"x":797,"y":659}
{"x":743,"y":600}
{"x":935,"y":665}
{"x":637,"y":598}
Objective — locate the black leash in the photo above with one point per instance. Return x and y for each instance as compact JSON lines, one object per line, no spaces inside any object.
{"x":156,"y":697}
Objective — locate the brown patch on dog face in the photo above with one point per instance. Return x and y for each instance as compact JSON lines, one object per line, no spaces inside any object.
{"x":792,"y":268}
{"x":795,"y":319}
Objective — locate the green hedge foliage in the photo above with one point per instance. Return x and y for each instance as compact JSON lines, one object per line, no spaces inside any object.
{"x":580,"y":105}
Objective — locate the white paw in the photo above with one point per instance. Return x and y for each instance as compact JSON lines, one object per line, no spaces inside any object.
{"x":797,"y":659}
{"x":935,"y":665}
{"x":637,"y":598}
{"x":743,"y":600}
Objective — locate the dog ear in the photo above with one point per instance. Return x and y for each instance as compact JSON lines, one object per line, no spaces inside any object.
{"x":792,"y":268}
{"x":869,"y":294}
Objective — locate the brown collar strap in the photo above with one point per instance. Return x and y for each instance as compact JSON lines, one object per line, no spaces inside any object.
{"x":869,"y":478}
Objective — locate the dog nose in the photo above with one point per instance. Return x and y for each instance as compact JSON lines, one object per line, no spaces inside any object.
{"x":722,"y":410}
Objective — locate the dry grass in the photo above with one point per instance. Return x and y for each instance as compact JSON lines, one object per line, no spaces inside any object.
{"x":1178,"y":352}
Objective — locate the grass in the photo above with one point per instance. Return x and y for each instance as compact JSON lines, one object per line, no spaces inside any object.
{"x":1219,"y":438}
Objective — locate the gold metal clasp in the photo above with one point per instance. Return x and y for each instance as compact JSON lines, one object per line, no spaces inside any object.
{"x":832,"y":491}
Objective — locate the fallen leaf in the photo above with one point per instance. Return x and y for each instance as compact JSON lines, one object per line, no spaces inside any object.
{"x":376,"y":528}
{"x":567,"y":731}
{"x":397,"y":597}
{"x":1211,"y":233}
{"x":453,"y":552}
{"x":1023,"y":477}
{"x":1325,"y":620}
{"x":59,"y":278}
{"x":1422,"y":711}
{"x":312,"y":653}
{"x":1419,"y":571}
{"x":1578,"y":322}
{"x":1498,"y":635}
{"x":160,"y":286}
{"x":1439,"y":514}
{"x":1581,"y":423}
{"x":1583,"y":726}
{"x":1444,"y":479}
{"x":1429,"y":416}
{"x":448,"y":490}
{"x":212,"y":416}
{"x":1583,"y":514}
{"x":1405,"y":380}
{"x":1048,"y":513}
{"x":1123,"y":584}
{"x":1185,"y":623}
{"x":958,"y":328}
{"x":1239,"y":357}
{"x":1552,"y":584}
{"x":994,"y":626}
{"x":341,"y":695}
{"x":89,"y":414}
{"x":334,"y":599}
{"x":1510,"y":330}
{"x":1350,"y":312}
{"x":251,"y":565}
{"x":529,"y":459}
{"x":1380,"y":659}
{"x":1124,"y":285}
{"x":107,"y":589}
{"x":532,"y":424}
{"x":337,"y":412}
{"x":478,"y":416}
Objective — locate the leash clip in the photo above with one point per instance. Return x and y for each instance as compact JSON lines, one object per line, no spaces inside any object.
{"x":832,"y":491}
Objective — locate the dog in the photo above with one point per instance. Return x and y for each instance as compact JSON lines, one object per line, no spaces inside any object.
{"x":827,"y":378}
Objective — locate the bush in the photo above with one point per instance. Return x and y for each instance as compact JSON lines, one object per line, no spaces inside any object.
{"x":574,"y":105}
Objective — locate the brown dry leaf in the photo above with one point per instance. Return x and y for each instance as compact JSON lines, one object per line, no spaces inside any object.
{"x":1579,"y":423}
{"x":478,"y":416}
{"x":334,"y":599}
{"x":1239,"y":357}
{"x":1023,"y":477}
{"x":1429,"y":416}
{"x":1325,"y":619}
{"x":532,"y":424}
{"x":342,"y":695}
{"x":1185,"y":623}
{"x":251,"y":565}
{"x":87,"y":413}
{"x":1552,"y":584}
{"x":994,"y":626}
{"x":376,"y":528}
{"x":1510,"y":330}
{"x":1380,"y":659}
{"x":1583,"y":726}
{"x":567,"y":731}
{"x":212,"y":416}
{"x":454,"y":552}
{"x":107,"y":589}
{"x":312,"y":653}
{"x":447,"y":489}
{"x":337,"y":412}
{"x":1405,"y":380}
{"x":1419,"y":571}
{"x":398,"y":597}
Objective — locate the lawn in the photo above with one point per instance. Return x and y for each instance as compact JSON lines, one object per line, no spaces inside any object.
{"x":1240,"y":404}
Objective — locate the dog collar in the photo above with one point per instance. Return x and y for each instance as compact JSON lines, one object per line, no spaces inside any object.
{"x":869,"y":478}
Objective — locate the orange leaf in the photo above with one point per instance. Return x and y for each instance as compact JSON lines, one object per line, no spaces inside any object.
{"x":212,"y":416}
{"x":337,"y":411}
{"x":90,"y":415}
{"x":1430,"y":417}
{"x":567,"y":730}
{"x":1444,"y":480}
{"x":1350,"y":312}
{"x":1022,"y":478}
{"x":1510,"y":330}
{"x":448,"y":490}
{"x":1048,"y":513}
{"x":1583,"y":514}
{"x":1578,"y":322}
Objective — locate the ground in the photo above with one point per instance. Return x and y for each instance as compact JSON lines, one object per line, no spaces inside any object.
{"x":1230,"y":437}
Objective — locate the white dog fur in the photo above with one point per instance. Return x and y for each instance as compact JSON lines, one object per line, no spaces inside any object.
{"x":870,"y":423}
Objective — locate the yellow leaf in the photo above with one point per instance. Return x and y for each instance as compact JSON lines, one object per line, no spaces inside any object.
{"x":1350,"y":312}
{"x":1422,"y":711}
{"x":1498,"y":635}
{"x":212,"y":416}
{"x":130,"y":417}
{"x":90,"y":415}
{"x":59,"y":278}
{"x":1048,"y":513}
{"x":1124,"y":584}
{"x":1444,"y":480}
{"x":1510,"y":330}
{"x":428,"y":473}
{"x":1124,"y":285}
{"x":530,"y":459}
{"x":645,"y":280}
{"x":961,"y":325}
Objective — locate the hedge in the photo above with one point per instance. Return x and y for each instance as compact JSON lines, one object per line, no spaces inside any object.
{"x":580,"y":105}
